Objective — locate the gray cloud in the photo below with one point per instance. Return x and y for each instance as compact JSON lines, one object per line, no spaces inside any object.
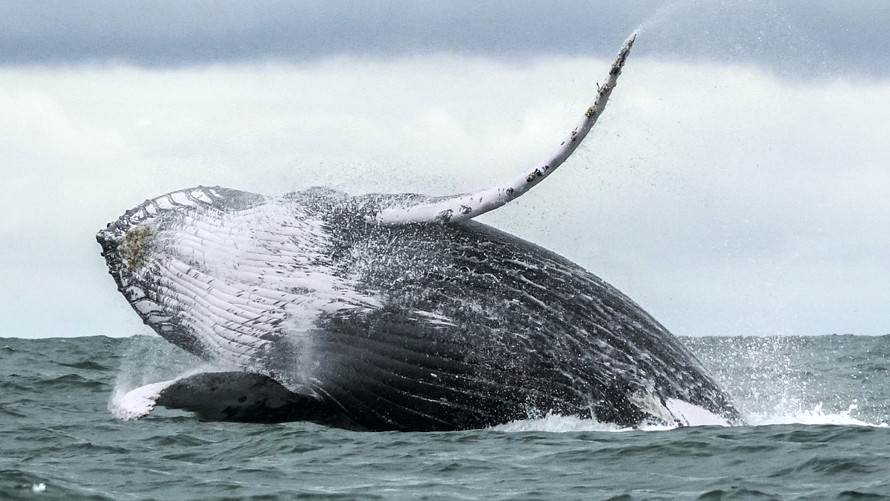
{"x":793,"y":37}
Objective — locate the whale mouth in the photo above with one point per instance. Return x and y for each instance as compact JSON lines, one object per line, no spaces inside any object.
{"x":109,"y":239}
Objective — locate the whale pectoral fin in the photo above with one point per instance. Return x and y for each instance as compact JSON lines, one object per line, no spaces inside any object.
{"x":467,"y":206}
{"x":228,"y":396}
{"x":139,"y":402}
{"x":243,"y":397}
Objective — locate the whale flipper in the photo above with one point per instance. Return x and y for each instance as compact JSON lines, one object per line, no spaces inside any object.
{"x":235,"y":396}
{"x":461,"y":207}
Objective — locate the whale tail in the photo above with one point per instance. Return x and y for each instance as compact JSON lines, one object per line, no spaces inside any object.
{"x":454,"y":208}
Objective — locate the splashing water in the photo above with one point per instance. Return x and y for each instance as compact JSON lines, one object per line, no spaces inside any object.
{"x":815,"y":416}
{"x":779,"y":381}
{"x":774,"y":380}
{"x":801,"y":380}
{"x":147,"y":360}
{"x":662,"y":15}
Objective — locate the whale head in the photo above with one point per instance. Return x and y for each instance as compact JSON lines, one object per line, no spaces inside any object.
{"x":226,"y":274}
{"x":150,"y":247}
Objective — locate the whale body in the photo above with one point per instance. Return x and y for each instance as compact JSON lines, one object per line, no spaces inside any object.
{"x":393,"y":312}
{"x":409,"y":327}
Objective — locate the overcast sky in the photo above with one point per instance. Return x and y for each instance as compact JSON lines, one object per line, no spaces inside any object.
{"x":738,"y":183}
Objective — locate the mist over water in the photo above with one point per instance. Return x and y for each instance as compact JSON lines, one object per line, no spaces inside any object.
{"x":817,"y":409}
{"x":777,"y":36}
{"x":806,"y":380}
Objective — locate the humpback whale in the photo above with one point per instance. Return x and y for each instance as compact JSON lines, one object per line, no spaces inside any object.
{"x":393,"y":312}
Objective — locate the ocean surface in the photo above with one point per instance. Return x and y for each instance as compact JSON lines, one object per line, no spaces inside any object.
{"x":817,"y":408}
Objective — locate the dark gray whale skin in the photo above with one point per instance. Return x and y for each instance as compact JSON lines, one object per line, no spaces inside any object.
{"x":474,"y":327}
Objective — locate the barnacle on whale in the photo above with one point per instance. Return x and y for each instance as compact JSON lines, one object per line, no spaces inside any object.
{"x":132,"y":246}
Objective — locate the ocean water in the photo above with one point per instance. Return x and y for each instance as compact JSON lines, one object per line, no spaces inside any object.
{"x":817,"y":407}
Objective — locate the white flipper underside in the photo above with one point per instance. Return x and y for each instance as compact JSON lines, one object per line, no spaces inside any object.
{"x":139,"y":402}
{"x":694,"y":415}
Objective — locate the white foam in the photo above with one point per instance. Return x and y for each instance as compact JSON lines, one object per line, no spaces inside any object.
{"x":555,"y":423}
{"x":694,"y":415}
{"x":815,"y":416}
{"x":674,"y":410}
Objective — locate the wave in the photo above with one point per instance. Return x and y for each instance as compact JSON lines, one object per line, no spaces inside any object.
{"x":815,"y":416}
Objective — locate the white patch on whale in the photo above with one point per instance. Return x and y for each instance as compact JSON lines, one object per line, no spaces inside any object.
{"x":139,"y":402}
{"x":694,"y":415}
